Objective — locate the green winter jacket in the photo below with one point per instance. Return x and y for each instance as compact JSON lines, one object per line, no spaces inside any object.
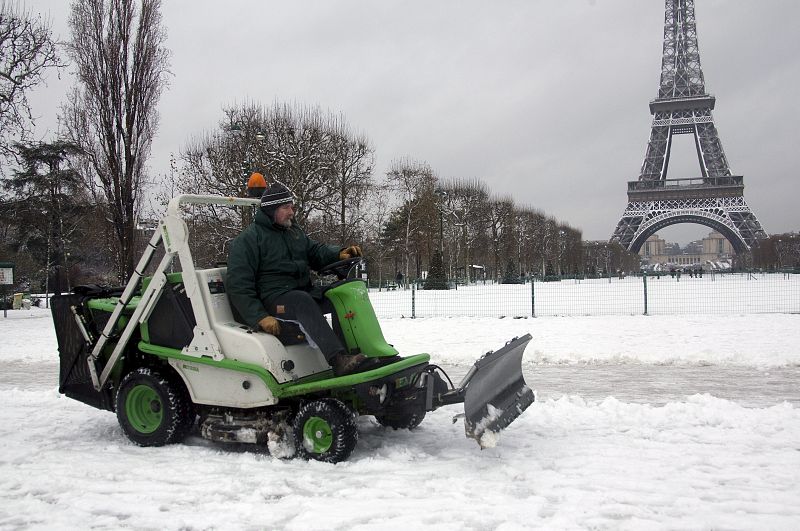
{"x":267,"y":260}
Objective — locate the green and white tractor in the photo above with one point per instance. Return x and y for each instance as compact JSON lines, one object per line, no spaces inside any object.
{"x":167,"y":354}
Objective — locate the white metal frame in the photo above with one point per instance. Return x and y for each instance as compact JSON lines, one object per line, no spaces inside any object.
{"x":173,"y":234}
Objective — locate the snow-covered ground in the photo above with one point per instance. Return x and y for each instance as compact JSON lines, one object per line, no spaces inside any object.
{"x":575,"y":459}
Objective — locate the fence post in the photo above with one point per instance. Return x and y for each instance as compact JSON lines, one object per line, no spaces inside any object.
{"x":533,"y":300}
{"x":644,"y":281}
{"x":413,"y":301}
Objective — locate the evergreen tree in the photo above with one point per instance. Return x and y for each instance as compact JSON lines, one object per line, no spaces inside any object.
{"x":549,"y":271}
{"x":511,"y":276}
{"x":436,"y":276}
{"x":44,"y":205}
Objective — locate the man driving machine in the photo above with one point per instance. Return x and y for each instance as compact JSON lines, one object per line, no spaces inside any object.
{"x":269,"y":279}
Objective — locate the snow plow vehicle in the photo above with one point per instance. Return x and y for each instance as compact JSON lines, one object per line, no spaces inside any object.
{"x":168,"y":355}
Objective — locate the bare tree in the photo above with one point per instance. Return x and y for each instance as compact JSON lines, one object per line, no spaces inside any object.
{"x":327,"y":167}
{"x":500,"y":222}
{"x":411,"y":180}
{"x":377,"y":215}
{"x":524,"y":220}
{"x":121,"y":65}
{"x":27,"y":50}
{"x":465,"y":204}
{"x":353,"y":159}
{"x":299,"y":142}
{"x":545,"y":236}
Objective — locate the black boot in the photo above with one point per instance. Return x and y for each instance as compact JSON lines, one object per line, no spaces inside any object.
{"x":347,"y":363}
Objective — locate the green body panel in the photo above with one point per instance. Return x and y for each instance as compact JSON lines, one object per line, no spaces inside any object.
{"x":358,"y":321}
{"x":296,"y":389}
{"x":109,"y":303}
{"x":310,"y":384}
{"x":144,"y":331}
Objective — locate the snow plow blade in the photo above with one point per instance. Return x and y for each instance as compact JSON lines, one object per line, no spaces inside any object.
{"x":496,"y":393}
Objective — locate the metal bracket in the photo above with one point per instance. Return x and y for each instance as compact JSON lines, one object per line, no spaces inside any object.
{"x":204,"y":343}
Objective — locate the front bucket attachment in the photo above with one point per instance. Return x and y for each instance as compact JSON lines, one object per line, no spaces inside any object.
{"x":496,"y":393}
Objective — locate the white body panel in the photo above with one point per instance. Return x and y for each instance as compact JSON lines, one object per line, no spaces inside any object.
{"x":222,"y":387}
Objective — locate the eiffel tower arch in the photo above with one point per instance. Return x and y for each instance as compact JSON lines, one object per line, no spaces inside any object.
{"x":716,"y":197}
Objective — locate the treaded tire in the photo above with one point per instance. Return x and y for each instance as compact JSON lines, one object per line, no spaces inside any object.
{"x":407,"y":421}
{"x":325,"y":430}
{"x":154,"y":409}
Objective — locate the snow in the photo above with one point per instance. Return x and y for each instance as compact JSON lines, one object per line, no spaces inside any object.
{"x":694,"y":461}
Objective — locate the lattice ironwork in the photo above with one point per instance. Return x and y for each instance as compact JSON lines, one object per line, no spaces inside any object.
{"x":730,"y":216}
{"x":684,"y":107}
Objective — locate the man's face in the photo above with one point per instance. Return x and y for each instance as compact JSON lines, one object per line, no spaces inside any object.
{"x":284,"y":215}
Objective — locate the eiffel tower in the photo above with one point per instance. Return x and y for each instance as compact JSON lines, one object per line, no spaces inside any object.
{"x":716,"y":197}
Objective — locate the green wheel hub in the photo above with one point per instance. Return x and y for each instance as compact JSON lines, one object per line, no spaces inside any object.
{"x":317,"y":435}
{"x":144,"y":409}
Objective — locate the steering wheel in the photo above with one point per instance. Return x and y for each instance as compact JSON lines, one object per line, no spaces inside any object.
{"x":342,"y":268}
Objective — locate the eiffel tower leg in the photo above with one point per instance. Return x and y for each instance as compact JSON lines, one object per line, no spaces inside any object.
{"x":656,"y":158}
{"x":628,"y":226}
{"x":713,"y":157}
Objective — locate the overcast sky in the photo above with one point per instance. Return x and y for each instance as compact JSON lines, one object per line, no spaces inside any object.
{"x":544,"y":101}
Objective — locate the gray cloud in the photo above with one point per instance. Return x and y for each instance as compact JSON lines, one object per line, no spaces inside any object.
{"x":544,"y":101}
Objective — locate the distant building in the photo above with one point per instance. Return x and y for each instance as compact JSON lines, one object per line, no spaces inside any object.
{"x":695,"y":247}
{"x":712,"y":252}
{"x":654,"y":246}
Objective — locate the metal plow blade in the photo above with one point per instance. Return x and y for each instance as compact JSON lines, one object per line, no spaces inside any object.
{"x":496,"y":393}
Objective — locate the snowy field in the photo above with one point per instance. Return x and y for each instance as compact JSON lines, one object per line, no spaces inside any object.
{"x":580,"y":457}
{"x":728,"y":293}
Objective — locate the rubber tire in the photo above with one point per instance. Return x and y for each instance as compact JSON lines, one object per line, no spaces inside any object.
{"x":408,"y":421}
{"x":339,"y":423}
{"x":166,"y":394}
